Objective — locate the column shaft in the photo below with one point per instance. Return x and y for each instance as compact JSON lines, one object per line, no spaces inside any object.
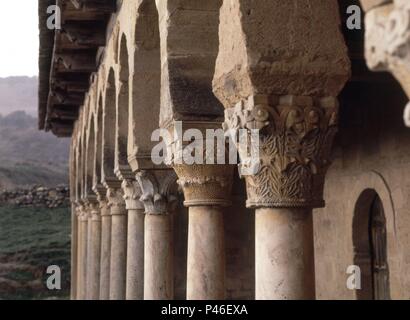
{"x":89,"y":253}
{"x":79,"y":246}
{"x":74,"y":253}
{"x":206,"y":254}
{"x":135,"y":255}
{"x":83,"y":259}
{"x":105,"y":257}
{"x":284,"y":254}
{"x":95,"y":258}
{"x":158,"y":276}
{"x":118,"y":265}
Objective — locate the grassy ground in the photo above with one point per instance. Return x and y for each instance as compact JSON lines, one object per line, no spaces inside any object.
{"x":31,"y":239}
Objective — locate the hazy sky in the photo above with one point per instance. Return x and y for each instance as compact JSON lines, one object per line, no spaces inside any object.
{"x":18,"y":38}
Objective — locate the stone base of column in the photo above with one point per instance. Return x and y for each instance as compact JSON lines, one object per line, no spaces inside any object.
{"x":284,"y":254}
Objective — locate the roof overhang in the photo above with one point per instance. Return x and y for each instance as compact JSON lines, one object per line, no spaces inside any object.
{"x":68,"y":57}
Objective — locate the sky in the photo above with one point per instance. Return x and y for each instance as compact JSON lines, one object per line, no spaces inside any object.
{"x":18,"y":38}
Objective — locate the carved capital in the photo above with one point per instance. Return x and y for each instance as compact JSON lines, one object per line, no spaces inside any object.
{"x":95,"y":213}
{"x":388,"y":40}
{"x":205,"y":185}
{"x":294,"y":146}
{"x":85,"y":213}
{"x":79,"y":209}
{"x":159,"y":192}
{"x":116,"y":202}
{"x":104,"y":207}
{"x":132,"y":195}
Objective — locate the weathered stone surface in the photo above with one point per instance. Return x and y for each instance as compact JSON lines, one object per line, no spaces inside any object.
{"x":264,"y":51}
{"x":388,"y":42}
{"x":370,"y":4}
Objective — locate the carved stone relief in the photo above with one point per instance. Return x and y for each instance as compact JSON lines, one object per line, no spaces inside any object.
{"x":295,"y":139}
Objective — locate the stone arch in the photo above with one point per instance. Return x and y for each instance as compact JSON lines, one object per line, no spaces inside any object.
{"x":368,"y":187}
{"x":84,"y":136}
{"x":98,"y":145}
{"x":74,"y":173}
{"x":72,"y":170}
{"x":78,"y":167}
{"x":90,"y":157}
{"x":146,"y":86}
{"x":109,"y":120}
{"x":122,"y":112}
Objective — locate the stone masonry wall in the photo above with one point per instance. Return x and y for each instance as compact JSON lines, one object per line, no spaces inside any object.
{"x":372,"y":152}
{"x":37,"y":196}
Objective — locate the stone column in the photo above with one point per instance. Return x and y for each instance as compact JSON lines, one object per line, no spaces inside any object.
{"x":78,"y":279}
{"x":105,"y":250}
{"x":118,"y":263}
{"x":94,"y":252}
{"x":284,"y":254}
{"x":285,"y":181}
{"x":89,"y":207}
{"x":207,"y":190}
{"x":282,"y":103}
{"x":82,"y":285}
{"x":135,"y":240}
{"x":156,"y":187}
{"x":74,"y":251}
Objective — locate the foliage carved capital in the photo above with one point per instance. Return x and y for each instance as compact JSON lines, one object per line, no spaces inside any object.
{"x":294,"y":145}
{"x":159,"y":192}
{"x":132,"y":194}
{"x":116,"y":202}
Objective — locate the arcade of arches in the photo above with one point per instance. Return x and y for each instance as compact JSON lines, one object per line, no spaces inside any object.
{"x":332,"y":190}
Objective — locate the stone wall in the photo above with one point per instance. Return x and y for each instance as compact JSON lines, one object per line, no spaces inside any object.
{"x":37,"y":196}
{"x":372,"y":153}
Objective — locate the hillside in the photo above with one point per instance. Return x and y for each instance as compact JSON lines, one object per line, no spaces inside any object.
{"x":31,"y":237}
{"x":29,"y":156}
{"x":18,"y":93}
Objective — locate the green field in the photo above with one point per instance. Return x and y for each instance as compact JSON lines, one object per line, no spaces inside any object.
{"x":31,"y":239}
